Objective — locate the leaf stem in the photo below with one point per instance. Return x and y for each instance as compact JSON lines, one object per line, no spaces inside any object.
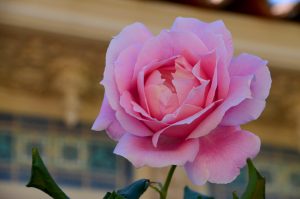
{"x":164,"y":190}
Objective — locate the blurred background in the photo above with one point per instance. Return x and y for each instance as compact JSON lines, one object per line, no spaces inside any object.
{"x":52,"y":58}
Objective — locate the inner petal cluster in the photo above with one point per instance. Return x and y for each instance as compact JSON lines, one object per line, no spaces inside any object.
{"x":168,"y":87}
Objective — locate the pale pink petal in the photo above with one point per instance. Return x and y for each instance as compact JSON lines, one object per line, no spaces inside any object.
{"x":161,"y":100}
{"x":184,"y":40}
{"x":213,"y":87}
{"x":183,"y":81}
{"x":133,"y":125}
{"x":248,"y":110}
{"x":246,"y":64}
{"x":199,"y":72}
{"x":140,"y":151}
{"x":124,"y":66}
{"x":106,"y":120}
{"x":214,"y":68}
{"x":136,"y":111}
{"x":222,"y":154}
{"x":105,"y":117}
{"x":214,"y":35}
{"x":261,"y":83}
{"x":239,"y":91}
{"x":219,"y":27}
{"x":130,"y":35}
{"x":181,"y":113}
{"x":197,"y":95}
{"x":131,"y":120}
{"x":115,"y":131}
{"x":182,"y":62}
{"x":145,"y":71}
{"x":154,"y":50}
{"x":168,"y":44}
{"x":184,"y":127}
{"x":191,"y":105}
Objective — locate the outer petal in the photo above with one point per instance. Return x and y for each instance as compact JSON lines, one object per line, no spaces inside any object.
{"x":132,"y":125}
{"x":105,"y":117}
{"x":249,"y":109}
{"x":221,"y":155}
{"x":141,"y":152}
{"x":239,"y":91}
{"x":166,"y":45}
{"x":124,"y":66}
{"x":207,"y":32}
{"x":132,"y":34}
{"x":106,"y":120}
{"x":246,"y":64}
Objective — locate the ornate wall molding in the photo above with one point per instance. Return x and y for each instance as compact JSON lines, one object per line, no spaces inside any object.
{"x":276,"y":41}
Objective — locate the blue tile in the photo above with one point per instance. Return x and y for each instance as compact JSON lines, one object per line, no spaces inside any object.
{"x":68,"y":179}
{"x":102,"y":184}
{"x":5,"y":174}
{"x":295,"y":179}
{"x":37,"y":123}
{"x":70,"y":152}
{"x":24,"y":174}
{"x":101,"y":157}
{"x":6,"y":147}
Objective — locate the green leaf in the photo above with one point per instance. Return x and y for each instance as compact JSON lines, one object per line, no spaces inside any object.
{"x":132,"y":191}
{"x":234,"y":195}
{"x":41,"y":179}
{"x":191,"y":194}
{"x":113,"y":195}
{"x":256,"y":185}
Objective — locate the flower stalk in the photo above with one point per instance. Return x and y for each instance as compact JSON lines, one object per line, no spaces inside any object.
{"x":165,"y":188}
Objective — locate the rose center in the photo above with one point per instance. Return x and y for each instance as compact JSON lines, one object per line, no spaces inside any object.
{"x":166,"y":89}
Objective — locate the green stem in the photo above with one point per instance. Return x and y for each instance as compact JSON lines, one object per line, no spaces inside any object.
{"x":164,"y":190}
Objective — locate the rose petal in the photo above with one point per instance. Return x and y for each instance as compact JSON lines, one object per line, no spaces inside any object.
{"x":106,"y":120}
{"x":135,"y":111}
{"x":183,"y":81}
{"x":141,"y":78}
{"x":105,"y":117}
{"x":166,"y":45}
{"x":124,"y":66}
{"x":209,"y":33}
{"x":239,"y":91}
{"x":132,"y":125}
{"x":246,"y":64}
{"x":221,"y":155}
{"x":183,"y":128}
{"x":181,"y":113}
{"x":132,"y":34}
{"x":248,"y":110}
{"x":141,"y":152}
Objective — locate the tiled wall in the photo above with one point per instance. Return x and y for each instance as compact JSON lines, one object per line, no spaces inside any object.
{"x":75,"y":157}
{"x":79,"y":157}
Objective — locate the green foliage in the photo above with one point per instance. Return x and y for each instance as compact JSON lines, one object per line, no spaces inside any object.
{"x":41,"y":179}
{"x":256,"y":185}
{"x":190,"y":194}
{"x":113,"y":195}
{"x":234,"y":195}
{"x":133,"y":191}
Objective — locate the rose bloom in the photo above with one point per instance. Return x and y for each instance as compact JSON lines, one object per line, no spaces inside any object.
{"x":179,"y":98}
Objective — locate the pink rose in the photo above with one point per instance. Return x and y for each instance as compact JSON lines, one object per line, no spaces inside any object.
{"x":179,"y":98}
